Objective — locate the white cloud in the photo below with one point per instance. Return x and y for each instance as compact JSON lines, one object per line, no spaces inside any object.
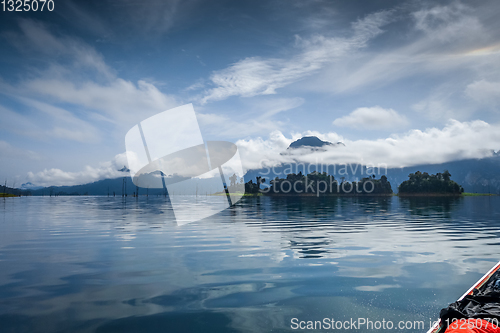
{"x":57,"y":177}
{"x":256,"y":152}
{"x":457,"y":140}
{"x":260,"y":76}
{"x":374,"y":117}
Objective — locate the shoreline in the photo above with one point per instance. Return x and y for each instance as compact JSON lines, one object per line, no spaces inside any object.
{"x":402,"y":195}
{"x":306,"y":195}
{"x":8,"y":195}
{"x":456,"y":195}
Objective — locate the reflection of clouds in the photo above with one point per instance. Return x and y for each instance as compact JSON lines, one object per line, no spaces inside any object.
{"x":434,"y":238}
{"x":125,"y":237}
{"x":112,"y":258}
{"x":378,"y":288}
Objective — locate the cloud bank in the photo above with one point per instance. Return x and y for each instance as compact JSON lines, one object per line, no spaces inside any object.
{"x":455,"y":141}
{"x":58,"y":177}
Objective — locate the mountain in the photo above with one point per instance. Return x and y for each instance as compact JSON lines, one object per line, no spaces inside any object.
{"x":474,"y":175}
{"x":124,"y":185}
{"x":312,"y":142}
{"x":309,"y":141}
{"x":30,"y":186}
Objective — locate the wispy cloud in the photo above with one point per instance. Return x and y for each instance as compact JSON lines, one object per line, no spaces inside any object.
{"x":43,"y":121}
{"x":51,"y":48}
{"x":122,"y":101}
{"x":128,"y":19}
{"x":446,"y":22}
{"x":441,"y":40}
{"x":259,"y":118}
{"x":63,"y":85}
{"x":262,"y":76}
{"x":10,"y":152}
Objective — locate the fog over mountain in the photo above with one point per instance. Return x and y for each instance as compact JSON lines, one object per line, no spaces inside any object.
{"x":475,"y":175}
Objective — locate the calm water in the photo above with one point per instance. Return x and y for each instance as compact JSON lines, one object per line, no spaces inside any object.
{"x":98,"y":264}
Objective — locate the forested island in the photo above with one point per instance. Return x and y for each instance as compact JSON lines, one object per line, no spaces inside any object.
{"x":322,"y":184}
{"x":318,"y":184}
{"x":424,"y":184}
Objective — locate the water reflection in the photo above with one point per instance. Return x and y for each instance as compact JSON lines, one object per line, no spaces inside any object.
{"x":93,"y":264}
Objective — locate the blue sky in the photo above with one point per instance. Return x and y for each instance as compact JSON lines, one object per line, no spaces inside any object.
{"x":399,"y":82}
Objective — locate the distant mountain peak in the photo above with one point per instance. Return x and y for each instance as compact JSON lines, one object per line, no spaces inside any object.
{"x":30,"y":186}
{"x":311,"y":142}
{"x":124,"y":169}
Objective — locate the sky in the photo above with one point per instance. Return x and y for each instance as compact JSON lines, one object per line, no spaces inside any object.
{"x":398,"y":82}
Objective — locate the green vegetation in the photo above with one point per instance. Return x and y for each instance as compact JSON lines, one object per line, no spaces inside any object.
{"x":7,"y":195}
{"x":319,"y":184}
{"x":237,"y":193}
{"x":425,"y":184}
{"x":466,"y":194}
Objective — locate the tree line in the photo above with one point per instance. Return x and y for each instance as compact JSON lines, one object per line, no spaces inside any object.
{"x":319,"y":184}
{"x":419,"y":182}
{"x":323,"y":184}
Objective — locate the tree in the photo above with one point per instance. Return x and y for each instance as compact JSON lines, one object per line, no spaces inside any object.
{"x":259,"y":181}
{"x":233,"y":179}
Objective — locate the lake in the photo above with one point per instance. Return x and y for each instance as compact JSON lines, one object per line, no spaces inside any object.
{"x":99,"y":264}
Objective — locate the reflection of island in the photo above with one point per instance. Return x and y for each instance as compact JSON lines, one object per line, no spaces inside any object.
{"x":430,"y":205}
{"x":423,"y":184}
{"x":318,"y":184}
{"x":314,"y":227}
